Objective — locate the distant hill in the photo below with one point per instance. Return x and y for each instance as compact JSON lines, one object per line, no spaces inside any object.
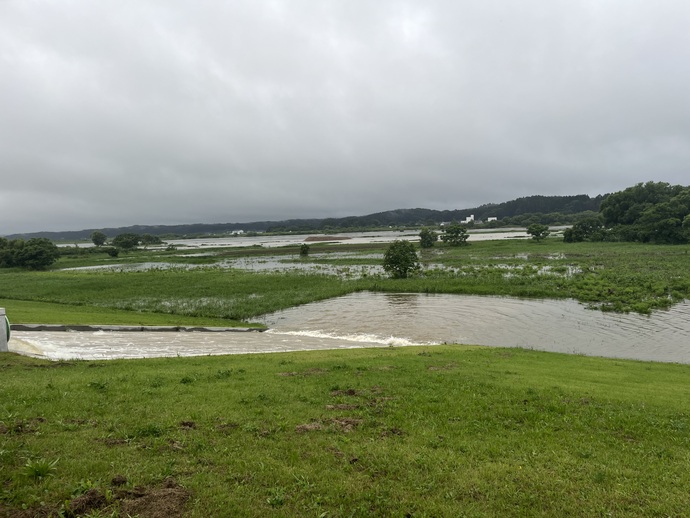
{"x":559,"y":205}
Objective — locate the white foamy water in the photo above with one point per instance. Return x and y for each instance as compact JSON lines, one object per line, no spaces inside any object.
{"x":382,"y":320}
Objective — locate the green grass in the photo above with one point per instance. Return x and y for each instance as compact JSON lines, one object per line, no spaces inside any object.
{"x":419,"y":431}
{"x":28,"y":312}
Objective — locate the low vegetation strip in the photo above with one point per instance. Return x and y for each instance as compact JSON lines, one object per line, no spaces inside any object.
{"x":91,"y":328}
{"x":417,"y":431}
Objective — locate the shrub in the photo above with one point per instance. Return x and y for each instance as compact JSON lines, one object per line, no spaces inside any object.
{"x":538,"y":231}
{"x":36,"y":254}
{"x":427,"y":238}
{"x":400,"y":259}
{"x":455,"y":235}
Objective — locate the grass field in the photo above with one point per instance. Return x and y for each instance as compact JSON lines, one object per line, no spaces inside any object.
{"x":418,"y":431}
{"x":608,"y":276}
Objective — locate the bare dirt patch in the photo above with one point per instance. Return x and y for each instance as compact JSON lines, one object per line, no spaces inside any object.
{"x":342,"y":424}
{"x":162,"y":502}
{"x":188,"y":425}
{"x":165,"y":501}
{"x":345,"y":424}
{"x":92,"y":500}
{"x":118,"y":480}
{"x":346,"y":392}
{"x":309,"y":372}
{"x":308,"y":427}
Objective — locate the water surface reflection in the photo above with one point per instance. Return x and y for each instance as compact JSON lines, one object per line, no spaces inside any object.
{"x":549,"y":325}
{"x":375,"y":319}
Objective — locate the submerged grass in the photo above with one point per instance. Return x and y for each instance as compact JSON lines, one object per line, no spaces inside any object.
{"x":442,"y":431}
{"x":29,"y":312}
{"x":609,"y":276}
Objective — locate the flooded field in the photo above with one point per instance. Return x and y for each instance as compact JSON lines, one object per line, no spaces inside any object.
{"x":345,"y":237}
{"x":383,"y":320}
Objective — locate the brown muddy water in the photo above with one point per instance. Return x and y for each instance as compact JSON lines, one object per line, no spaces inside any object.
{"x":391,"y":320}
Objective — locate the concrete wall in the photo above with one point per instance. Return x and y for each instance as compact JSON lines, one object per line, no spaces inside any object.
{"x":3,"y":332}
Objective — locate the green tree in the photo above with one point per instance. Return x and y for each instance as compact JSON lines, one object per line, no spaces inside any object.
{"x":455,"y":234}
{"x":98,"y":238}
{"x":538,"y":231}
{"x":126,"y":241}
{"x":400,"y":259}
{"x":148,"y":239}
{"x":588,"y":229}
{"x":626,"y":207}
{"x":650,"y":212}
{"x":6,"y":253}
{"x":427,"y":238}
{"x":38,"y":253}
{"x":304,"y":250}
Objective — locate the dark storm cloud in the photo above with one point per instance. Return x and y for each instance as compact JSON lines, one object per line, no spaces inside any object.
{"x":118,"y":113}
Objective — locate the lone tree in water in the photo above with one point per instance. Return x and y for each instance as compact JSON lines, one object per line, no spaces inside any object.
{"x":148,"y":239}
{"x":126,"y":241}
{"x":400,"y":259}
{"x":538,"y":231}
{"x":98,"y":238}
{"x":455,"y":235}
{"x":427,"y":238}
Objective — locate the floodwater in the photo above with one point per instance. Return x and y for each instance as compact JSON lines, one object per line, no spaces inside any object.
{"x":272,"y":241}
{"x":277,"y":263}
{"x":345,"y":237}
{"x":383,"y":320}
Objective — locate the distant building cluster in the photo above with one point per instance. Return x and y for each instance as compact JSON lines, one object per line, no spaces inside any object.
{"x":470,"y":219}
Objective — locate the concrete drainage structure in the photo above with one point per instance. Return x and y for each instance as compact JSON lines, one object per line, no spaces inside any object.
{"x":5,"y":332}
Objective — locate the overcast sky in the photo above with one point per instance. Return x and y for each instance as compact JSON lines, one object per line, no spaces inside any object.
{"x":121,"y":112}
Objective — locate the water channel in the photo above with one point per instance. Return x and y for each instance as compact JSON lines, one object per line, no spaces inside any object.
{"x":384,"y":320}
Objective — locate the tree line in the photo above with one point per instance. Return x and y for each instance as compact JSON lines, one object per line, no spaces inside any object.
{"x":38,"y":253}
{"x":549,"y":210}
{"x":33,"y":254}
{"x":126,"y":240}
{"x":652,"y":212}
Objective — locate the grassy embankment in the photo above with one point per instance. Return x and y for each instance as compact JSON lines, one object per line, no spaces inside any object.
{"x":613,"y":276}
{"x":442,"y":431}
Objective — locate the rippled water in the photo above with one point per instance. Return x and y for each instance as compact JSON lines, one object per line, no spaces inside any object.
{"x":375,"y":319}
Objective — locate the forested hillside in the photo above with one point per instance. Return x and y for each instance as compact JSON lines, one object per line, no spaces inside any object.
{"x":522,"y":211}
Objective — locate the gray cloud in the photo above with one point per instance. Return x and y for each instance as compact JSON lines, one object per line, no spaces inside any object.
{"x":152,"y":112}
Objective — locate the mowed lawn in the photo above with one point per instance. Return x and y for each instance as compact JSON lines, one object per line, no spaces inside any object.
{"x":416,"y":431}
